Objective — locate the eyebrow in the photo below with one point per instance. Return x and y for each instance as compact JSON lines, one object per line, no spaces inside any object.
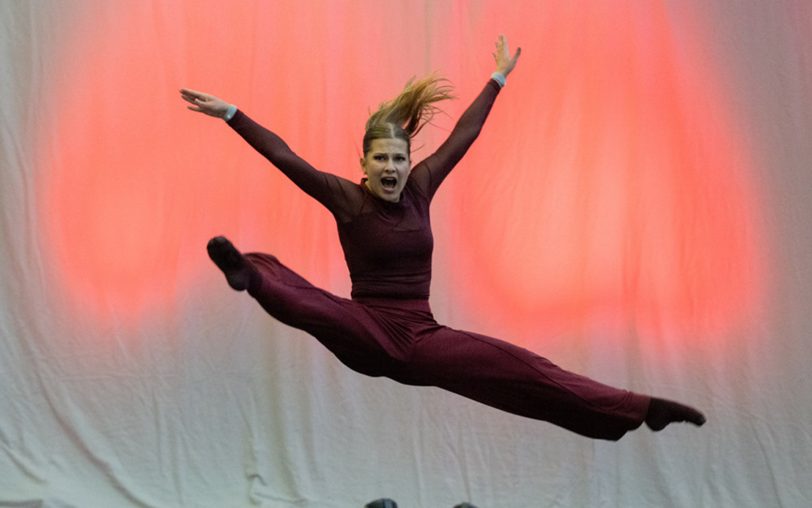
{"x":389,"y":153}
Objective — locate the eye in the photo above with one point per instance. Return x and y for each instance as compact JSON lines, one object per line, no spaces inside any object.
{"x":379,"y":157}
{"x":400,"y":158}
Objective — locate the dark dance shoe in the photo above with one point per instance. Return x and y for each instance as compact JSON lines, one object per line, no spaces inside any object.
{"x":662,"y":412}
{"x":237,"y":269}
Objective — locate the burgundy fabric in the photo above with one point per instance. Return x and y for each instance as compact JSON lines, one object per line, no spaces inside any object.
{"x":387,"y":329}
{"x":387,"y":246}
{"x":400,"y":339}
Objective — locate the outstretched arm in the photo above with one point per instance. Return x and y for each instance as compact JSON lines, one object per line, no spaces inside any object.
{"x":328,"y":189}
{"x":431,"y":172}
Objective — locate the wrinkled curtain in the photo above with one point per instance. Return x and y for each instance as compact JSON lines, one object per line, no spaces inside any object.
{"x":636,"y":209}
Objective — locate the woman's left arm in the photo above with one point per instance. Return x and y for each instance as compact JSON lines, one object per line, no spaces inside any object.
{"x":431,"y":172}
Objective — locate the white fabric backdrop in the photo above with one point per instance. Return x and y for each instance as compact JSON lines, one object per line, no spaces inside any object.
{"x":156,"y":386}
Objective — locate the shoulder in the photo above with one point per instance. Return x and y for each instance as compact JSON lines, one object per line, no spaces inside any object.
{"x":417,"y":187}
{"x":420,"y":177}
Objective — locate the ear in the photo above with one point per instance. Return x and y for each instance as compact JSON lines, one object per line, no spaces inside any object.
{"x":362,"y":160}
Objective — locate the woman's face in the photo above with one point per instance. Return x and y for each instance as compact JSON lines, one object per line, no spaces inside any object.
{"x":387,"y":167}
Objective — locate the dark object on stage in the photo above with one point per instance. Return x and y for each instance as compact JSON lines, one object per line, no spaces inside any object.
{"x":382,"y":503}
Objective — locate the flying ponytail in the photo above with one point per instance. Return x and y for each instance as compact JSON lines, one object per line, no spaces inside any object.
{"x":405,"y":115}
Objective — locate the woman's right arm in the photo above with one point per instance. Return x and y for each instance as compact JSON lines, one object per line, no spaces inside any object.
{"x":328,"y":189}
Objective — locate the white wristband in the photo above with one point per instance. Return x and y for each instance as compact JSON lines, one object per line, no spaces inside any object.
{"x":230,"y":112}
{"x":499,"y":78}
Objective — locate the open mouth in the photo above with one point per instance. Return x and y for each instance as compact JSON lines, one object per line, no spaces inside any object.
{"x":389,"y":182}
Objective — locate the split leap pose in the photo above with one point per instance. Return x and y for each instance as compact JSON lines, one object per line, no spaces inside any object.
{"x":387,"y":328}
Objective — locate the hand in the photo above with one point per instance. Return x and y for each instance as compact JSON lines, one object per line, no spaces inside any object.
{"x":204,"y":103}
{"x":504,"y":63}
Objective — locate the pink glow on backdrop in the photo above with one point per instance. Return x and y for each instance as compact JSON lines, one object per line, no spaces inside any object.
{"x":135,"y":185}
{"x":609,"y":176}
{"x":630,"y":196}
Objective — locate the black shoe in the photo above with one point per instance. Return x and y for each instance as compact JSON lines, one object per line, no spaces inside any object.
{"x":237,"y":270}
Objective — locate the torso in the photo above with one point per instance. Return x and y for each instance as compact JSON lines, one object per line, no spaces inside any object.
{"x":388,"y":246}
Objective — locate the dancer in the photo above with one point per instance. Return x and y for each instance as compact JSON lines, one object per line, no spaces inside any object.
{"x":387,"y":328}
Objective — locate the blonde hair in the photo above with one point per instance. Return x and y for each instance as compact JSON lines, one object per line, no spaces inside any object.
{"x":405,"y":115}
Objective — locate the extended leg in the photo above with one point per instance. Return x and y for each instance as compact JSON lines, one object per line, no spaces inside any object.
{"x":343,"y":326}
{"x":519,"y":381}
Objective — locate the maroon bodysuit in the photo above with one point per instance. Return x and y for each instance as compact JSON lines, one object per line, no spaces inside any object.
{"x":387,"y":328}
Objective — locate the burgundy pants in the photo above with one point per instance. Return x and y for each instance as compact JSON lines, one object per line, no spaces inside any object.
{"x":401,"y":340}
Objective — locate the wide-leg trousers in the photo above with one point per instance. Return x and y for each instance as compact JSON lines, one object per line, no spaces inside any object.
{"x":401,"y":340}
